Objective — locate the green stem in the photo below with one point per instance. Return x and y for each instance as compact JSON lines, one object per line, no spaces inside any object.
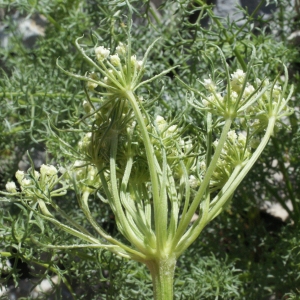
{"x":160,"y":207}
{"x":269,"y":131}
{"x":162,"y":273}
{"x":185,"y":220}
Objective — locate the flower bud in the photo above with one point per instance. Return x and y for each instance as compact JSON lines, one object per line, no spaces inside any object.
{"x":11,"y":187}
{"x":87,"y":106}
{"x":139,"y":64}
{"x":115,"y":60}
{"x":237,"y":79}
{"x":172,"y":129}
{"x":36,"y":175}
{"x":232,"y":135}
{"x":194,"y":182}
{"x":121,"y":49}
{"x":209,"y":85}
{"x":101,"y":53}
{"x":91,"y":85}
{"x":26,"y":182}
{"x":20,"y":175}
{"x":48,"y":170}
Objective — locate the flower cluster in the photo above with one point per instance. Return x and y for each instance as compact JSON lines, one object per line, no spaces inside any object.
{"x":86,"y":176}
{"x":225,"y":104}
{"x":257,"y":102}
{"x":119,"y":70}
{"x":38,"y":185}
{"x":235,"y":152}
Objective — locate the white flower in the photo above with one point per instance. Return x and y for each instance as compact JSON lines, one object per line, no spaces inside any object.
{"x":248,"y":90}
{"x":36,"y":175}
{"x":237,"y":79}
{"x":91,"y":85}
{"x":20,"y":175}
{"x":26,"y":182}
{"x":101,"y":53}
{"x":62,"y":170}
{"x":139,"y":64}
{"x":242,"y":139}
{"x":115,"y":60}
{"x":78,"y":163}
{"x":85,"y":142}
{"x":215,"y":143}
{"x":161,"y":123}
{"x":133,"y":59}
{"x":172,"y":129}
{"x":202,"y":165}
{"x":135,"y":63}
{"x":233,"y":96}
{"x":209,"y":85}
{"x":277,"y":92}
{"x":121,"y":49}
{"x":238,"y":76}
{"x":194,"y":182}
{"x":232,"y":135}
{"x":48,"y":170}
{"x":11,"y":187}
{"x":205,"y":103}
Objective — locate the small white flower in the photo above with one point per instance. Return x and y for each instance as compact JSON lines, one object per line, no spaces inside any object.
{"x":205,"y":103}
{"x":101,"y":53}
{"x":237,"y":79}
{"x":194,"y":182}
{"x":257,"y":81}
{"x":276,"y":92}
{"x":159,"y":120}
{"x":11,"y":187}
{"x":115,"y":60}
{"x":172,"y":129}
{"x":202,"y":165}
{"x":215,"y":143}
{"x":161,"y":123}
{"x":219,"y":98}
{"x":78,"y":163}
{"x":20,"y":175}
{"x":209,"y":85}
{"x":242,"y":139}
{"x":26,"y":182}
{"x":36,"y":175}
{"x":238,"y":76}
{"x":91,"y":85}
{"x":121,"y":49}
{"x":48,"y":170}
{"x":233,"y":96}
{"x":232,"y":135}
{"x":134,"y":62}
{"x":248,"y":90}
{"x":133,"y":59}
{"x":181,"y":143}
{"x":139,"y":64}
{"x":62,"y":170}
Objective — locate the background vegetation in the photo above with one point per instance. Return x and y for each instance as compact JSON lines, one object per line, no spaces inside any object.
{"x":244,"y":253}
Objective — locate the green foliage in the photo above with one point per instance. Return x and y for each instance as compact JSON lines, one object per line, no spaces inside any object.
{"x":35,"y":96}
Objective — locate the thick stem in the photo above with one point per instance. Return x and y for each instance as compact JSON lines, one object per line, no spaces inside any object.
{"x":162,"y":273}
